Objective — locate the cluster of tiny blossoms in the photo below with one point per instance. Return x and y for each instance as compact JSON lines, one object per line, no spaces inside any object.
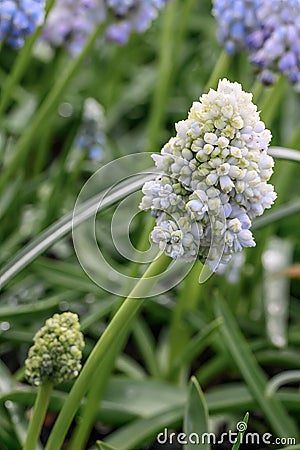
{"x":236,"y":20}
{"x":131,"y":15}
{"x":213,"y":178}
{"x":275,"y":45}
{"x":70,"y":22}
{"x":19,"y":19}
{"x":91,"y":135}
{"x":57,"y":351}
{"x":124,"y":16}
{"x":268,"y":29}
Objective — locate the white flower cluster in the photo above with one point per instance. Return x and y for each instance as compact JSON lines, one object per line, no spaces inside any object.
{"x":213,"y":180}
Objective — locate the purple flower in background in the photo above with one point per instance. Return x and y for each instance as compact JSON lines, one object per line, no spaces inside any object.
{"x":275,"y":45}
{"x":125,"y":16}
{"x":19,"y":19}
{"x":269,"y":30}
{"x":132,"y":15}
{"x":70,"y":22}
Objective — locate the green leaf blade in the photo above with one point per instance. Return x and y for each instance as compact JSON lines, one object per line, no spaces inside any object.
{"x":195,"y":418}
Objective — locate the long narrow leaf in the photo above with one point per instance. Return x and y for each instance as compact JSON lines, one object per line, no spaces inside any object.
{"x":278,"y":214}
{"x":255,"y":378}
{"x":141,"y":431}
{"x":195,"y":417}
{"x":102,"y":446}
{"x":285,"y":153}
{"x":9,"y":312}
{"x":64,"y":226}
{"x":196,"y":344}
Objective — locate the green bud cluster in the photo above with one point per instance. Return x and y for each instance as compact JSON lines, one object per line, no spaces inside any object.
{"x":57,"y":351}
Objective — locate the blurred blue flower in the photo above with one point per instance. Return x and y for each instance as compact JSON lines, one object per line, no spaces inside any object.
{"x":275,"y":45}
{"x":91,"y":136}
{"x":132,"y":15}
{"x":60,"y":30}
{"x":125,"y":16}
{"x":269,"y":30}
{"x":236,"y":20}
{"x":19,"y":19}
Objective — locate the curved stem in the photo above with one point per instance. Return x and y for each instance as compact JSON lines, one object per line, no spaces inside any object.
{"x":285,"y":171}
{"x":106,"y":343}
{"x":290,"y":376}
{"x":37,"y":419}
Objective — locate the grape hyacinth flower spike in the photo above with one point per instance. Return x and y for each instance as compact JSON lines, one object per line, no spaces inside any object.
{"x":54,"y":358}
{"x":124,"y":17}
{"x":59,"y":30}
{"x":274,"y":46}
{"x":213,"y":179}
{"x":132,"y":15}
{"x":19,"y":19}
{"x":236,"y":20}
{"x":268,"y":30}
{"x":57,"y":351}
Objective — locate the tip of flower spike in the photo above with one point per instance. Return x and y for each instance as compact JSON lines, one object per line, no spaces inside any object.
{"x":57,"y":351}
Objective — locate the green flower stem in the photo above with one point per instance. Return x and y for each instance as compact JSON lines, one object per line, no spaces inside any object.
{"x":185,"y":17}
{"x":98,"y":384}
{"x":165,"y":68}
{"x":142,"y":245}
{"x":106,"y":343}
{"x":257,"y":90}
{"x":44,"y":148}
{"x":271,"y":101}
{"x":101,"y":376}
{"x":47,"y":108}
{"x":20,"y":65}
{"x":187,"y":301}
{"x":220,"y":70}
{"x":37,"y":419}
